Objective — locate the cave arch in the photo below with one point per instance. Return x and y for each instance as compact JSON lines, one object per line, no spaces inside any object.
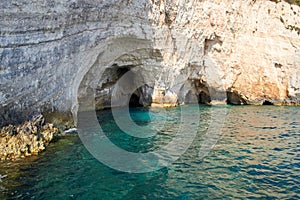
{"x":120,"y":54}
{"x":234,"y":98}
{"x":111,"y":80}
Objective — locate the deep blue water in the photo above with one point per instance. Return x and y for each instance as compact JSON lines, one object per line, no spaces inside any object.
{"x":257,"y":156}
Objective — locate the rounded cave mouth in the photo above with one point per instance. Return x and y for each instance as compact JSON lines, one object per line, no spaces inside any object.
{"x":112,"y":83}
{"x":204,"y":98}
{"x":234,"y":98}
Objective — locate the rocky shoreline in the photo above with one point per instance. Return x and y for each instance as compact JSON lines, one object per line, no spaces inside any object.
{"x":33,"y":136}
{"x":29,"y":138}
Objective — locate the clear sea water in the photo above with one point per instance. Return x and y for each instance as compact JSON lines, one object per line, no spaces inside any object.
{"x":256,"y":157}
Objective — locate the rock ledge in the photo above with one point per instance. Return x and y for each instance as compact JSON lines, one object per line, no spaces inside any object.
{"x":27,"y":139}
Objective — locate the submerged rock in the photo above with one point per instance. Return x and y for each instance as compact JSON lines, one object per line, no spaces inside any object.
{"x":2,"y":176}
{"x":27,"y":139}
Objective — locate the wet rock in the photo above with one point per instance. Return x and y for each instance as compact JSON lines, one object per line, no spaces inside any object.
{"x":27,"y":139}
{"x":2,"y":176}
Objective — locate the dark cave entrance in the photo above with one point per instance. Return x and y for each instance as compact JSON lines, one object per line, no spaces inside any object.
{"x":267,"y":103}
{"x":106,"y":85}
{"x":204,"y":98}
{"x":134,"y":101}
{"x":202,"y":91}
{"x":111,"y":80}
{"x":234,"y":98}
{"x":196,"y":97}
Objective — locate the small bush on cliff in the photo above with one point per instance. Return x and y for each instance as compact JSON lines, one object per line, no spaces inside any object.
{"x":297,"y":2}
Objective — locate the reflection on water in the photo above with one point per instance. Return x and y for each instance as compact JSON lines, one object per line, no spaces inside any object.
{"x":257,"y":156}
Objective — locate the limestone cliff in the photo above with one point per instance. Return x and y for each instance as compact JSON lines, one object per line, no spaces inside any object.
{"x":52,"y":53}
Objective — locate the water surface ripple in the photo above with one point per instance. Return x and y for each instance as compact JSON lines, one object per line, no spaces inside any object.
{"x":257,"y":157}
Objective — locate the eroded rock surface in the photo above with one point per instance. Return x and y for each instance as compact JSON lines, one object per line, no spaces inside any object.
{"x":27,"y":139}
{"x":53,"y":54}
{"x":242,"y":47}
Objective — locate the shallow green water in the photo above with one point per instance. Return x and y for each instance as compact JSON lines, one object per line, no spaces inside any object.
{"x":257,"y":156}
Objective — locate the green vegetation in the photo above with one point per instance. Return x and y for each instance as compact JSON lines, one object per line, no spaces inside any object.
{"x":297,"y":2}
{"x":293,"y":1}
{"x":294,"y":28}
{"x":290,"y":27}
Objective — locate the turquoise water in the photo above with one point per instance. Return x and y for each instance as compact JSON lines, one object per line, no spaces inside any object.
{"x":256,"y":157}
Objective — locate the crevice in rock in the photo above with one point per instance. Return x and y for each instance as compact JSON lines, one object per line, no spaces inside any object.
{"x":170,"y":13}
{"x":204,"y":97}
{"x":266,"y":102}
{"x":200,"y":90}
{"x":278,"y":65}
{"x":212,"y":44}
{"x":135,"y":99}
{"x":234,"y":98}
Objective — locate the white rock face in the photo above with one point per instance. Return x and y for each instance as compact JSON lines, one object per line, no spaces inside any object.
{"x":55,"y":53}
{"x":243,"y":47}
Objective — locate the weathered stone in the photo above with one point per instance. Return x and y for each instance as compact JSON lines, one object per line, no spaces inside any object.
{"x":29,"y":139}
{"x":53,"y":54}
